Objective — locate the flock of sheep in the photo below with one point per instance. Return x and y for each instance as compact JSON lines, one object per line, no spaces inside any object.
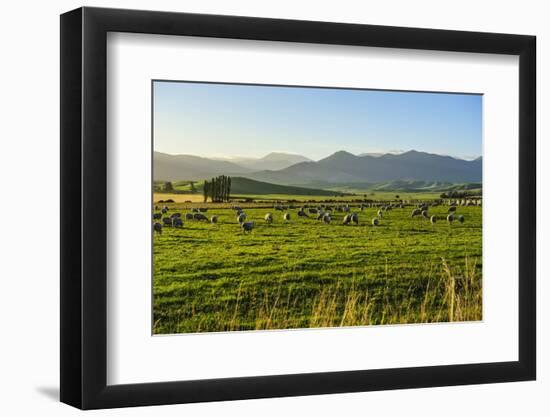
{"x":321,"y":212}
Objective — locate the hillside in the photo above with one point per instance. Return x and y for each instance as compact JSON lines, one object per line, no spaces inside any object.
{"x":422,"y":186}
{"x":240,"y":185}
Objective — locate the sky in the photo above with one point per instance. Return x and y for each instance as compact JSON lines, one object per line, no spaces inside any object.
{"x":231,"y":120}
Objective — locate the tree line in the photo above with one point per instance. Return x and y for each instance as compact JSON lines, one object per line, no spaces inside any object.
{"x":218,"y":189}
{"x":460,"y":194}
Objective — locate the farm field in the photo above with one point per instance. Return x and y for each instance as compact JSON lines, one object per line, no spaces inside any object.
{"x":304,"y":273}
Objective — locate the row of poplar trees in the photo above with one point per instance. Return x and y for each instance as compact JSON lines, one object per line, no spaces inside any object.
{"x":218,"y":189}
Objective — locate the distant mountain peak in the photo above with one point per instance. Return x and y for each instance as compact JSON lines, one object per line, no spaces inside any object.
{"x":342,"y":152}
{"x":284,"y":156}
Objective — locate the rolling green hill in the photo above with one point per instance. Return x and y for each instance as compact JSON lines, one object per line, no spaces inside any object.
{"x":417,"y":186}
{"x":240,"y":185}
{"x":246,"y":186}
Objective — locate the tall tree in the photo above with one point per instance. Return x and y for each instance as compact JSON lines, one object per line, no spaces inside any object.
{"x":224,"y":188}
{"x":205,"y":190}
{"x":215,"y":189}
{"x":228,"y":188}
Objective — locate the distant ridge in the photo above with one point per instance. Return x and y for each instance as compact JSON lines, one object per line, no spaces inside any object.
{"x":340,"y":168}
{"x":168,"y":167}
{"x":343,"y":167}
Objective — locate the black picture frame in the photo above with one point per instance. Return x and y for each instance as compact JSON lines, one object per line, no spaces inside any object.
{"x":84,"y":207}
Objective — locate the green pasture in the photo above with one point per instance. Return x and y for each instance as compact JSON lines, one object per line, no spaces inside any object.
{"x":304,"y":273}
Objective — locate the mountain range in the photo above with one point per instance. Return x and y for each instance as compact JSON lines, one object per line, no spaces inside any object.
{"x":339,"y":168}
{"x":273,"y":161}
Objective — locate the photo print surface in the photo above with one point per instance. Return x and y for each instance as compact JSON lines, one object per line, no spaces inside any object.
{"x":287,"y":207}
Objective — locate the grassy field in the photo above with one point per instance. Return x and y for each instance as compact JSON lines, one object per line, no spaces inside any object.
{"x":304,"y":273}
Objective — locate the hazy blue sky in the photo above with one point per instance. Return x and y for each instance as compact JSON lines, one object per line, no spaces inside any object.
{"x":221,"y":120}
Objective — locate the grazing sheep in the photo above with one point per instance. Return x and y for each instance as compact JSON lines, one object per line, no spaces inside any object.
{"x":425,"y":213}
{"x":302,"y":213}
{"x":173,"y":215}
{"x":379,"y":213}
{"x":375,"y":221}
{"x":347,"y":219}
{"x":164,"y":210}
{"x":313,"y":211}
{"x":241,"y":218}
{"x":416,"y":212}
{"x":247,"y":226}
{"x":157,"y":227}
{"x":286,"y":216}
{"x":452,"y":209}
{"x":200,"y":216}
{"x":433,"y":219}
{"x":167,"y":221}
{"x":268,"y":218}
{"x":461,"y":218}
{"x":214,"y":219}
{"x":177,"y":222}
{"x":355,"y":218}
{"x":450,"y":218}
{"x":188,"y":216}
{"x":202,"y":210}
{"x":157,"y":216}
{"x":326,"y":218}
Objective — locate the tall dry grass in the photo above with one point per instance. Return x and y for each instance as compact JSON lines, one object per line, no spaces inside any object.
{"x":450,"y":294}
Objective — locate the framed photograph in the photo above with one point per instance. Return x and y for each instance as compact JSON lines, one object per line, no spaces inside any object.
{"x":257,"y":208}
